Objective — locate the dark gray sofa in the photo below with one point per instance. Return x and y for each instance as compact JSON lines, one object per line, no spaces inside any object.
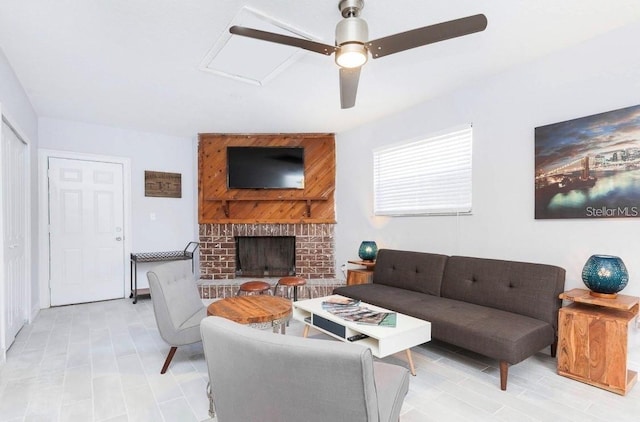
{"x":505,"y":310}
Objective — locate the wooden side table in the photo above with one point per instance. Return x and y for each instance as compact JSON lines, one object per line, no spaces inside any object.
{"x":259,"y":311}
{"x":361,"y":275}
{"x":592,"y":340}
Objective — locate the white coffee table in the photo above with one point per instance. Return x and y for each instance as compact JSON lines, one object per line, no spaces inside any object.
{"x":383,"y":341}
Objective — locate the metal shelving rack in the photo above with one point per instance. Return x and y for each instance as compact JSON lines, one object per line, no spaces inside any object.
{"x":136,"y":257}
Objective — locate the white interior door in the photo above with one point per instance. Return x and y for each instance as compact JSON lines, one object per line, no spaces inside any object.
{"x":14,"y":228}
{"x":86,"y":235}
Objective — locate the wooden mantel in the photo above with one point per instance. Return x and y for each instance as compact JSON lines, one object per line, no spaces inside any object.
{"x":313,"y":204}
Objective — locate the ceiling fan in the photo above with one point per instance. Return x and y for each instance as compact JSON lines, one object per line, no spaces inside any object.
{"x":352,"y":48}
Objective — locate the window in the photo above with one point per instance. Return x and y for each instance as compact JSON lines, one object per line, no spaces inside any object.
{"x":428,"y":176}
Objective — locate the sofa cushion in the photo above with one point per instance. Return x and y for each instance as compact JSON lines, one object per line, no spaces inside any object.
{"x":520,"y":287}
{"x":381,"y":295}
{"x":415,"y":271}
{"x":491,"y":332}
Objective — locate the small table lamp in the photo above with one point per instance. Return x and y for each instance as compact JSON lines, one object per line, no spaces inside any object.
{"x":605,"y":275}
{"x":368,"y":250}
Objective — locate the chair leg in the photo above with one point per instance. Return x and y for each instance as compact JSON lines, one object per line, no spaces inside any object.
{"x":167,"y":361}
{"x":311,"y":291}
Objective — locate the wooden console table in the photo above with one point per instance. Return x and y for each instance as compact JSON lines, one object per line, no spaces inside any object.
{"x":592,"y":340}
{"x":361,"y":275}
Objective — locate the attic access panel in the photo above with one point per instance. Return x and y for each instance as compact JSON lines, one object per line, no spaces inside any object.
{"x":250,"y":60}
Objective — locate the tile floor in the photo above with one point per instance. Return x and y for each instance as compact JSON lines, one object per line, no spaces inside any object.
{"x":101,"y":362}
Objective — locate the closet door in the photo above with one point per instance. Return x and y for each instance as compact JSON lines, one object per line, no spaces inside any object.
{"x":14,"y":158}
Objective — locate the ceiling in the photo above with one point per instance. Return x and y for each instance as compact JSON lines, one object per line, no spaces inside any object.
{"x":136,"y":64}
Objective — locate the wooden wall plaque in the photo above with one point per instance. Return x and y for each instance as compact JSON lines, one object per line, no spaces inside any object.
{"x":161,"y":184}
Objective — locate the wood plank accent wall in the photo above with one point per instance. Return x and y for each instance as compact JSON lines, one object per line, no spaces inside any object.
{"x":313,"y":204}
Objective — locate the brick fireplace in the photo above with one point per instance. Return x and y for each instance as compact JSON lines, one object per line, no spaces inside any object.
{"x":227,"y":214}
{"x":314,"y":248}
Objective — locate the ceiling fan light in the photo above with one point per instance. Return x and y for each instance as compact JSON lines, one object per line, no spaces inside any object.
{"x":351,"y":55}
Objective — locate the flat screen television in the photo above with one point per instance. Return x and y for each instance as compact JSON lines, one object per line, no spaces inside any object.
{"x":265,"y":167}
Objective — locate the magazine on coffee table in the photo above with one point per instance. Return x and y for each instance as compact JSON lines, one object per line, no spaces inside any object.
{"x":351,"y":310}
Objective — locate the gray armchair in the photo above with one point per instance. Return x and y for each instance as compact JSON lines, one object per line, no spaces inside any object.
{"x":176,"y":305}
{"x":261,"y":376}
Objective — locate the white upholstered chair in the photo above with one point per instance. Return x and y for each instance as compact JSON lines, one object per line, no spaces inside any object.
{"x":176,"y":305}
{"x":260,"y":376}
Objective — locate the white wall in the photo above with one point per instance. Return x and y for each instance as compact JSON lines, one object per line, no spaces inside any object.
{"x":597,"y":76}
{"x":175,"y":221}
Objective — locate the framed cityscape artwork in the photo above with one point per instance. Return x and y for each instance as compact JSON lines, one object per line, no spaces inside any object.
{"x":589,"y":167}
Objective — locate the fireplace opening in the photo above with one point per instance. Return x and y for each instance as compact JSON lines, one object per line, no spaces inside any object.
{"x":265,"y":256}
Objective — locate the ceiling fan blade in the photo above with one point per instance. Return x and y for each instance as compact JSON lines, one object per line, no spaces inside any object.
{"x":426,"y":35}
{"x":349,"y":78}
{"x":316,"y":47}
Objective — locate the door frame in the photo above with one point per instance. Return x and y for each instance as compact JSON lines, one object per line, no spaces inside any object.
{"x":31,"y":308}
{"x":43,"y":214}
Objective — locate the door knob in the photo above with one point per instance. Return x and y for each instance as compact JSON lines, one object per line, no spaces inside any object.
{"x":118,"y":238}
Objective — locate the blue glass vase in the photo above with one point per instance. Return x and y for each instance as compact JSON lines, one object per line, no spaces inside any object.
{"x":605,"y":275}
{"x":368,"y":250}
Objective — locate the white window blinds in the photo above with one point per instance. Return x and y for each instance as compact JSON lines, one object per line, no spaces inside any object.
{"x":429,"y":176}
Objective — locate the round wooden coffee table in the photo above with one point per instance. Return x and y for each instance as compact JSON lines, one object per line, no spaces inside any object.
{"x":259,"y":311}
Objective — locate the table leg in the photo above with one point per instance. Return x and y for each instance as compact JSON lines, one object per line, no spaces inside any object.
{"x":131,"y":278}
{"x":305,"y":333}
{"x":135,"y":282}
{"x":280,"y":323}
{"x":410,"y":359}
